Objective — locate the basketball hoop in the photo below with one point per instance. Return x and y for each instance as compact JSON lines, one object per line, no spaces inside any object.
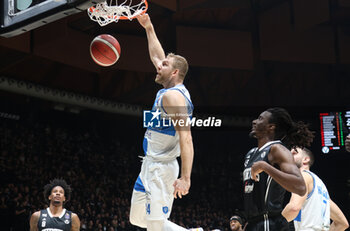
{"x":105,"y":13}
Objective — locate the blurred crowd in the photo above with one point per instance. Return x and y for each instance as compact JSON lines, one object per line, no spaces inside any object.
{"x":101,"y":169}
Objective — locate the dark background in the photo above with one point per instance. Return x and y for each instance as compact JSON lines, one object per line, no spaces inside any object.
{"x":244,"y":56}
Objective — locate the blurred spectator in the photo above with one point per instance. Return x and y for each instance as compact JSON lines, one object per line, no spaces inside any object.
{"x":101,"y":166}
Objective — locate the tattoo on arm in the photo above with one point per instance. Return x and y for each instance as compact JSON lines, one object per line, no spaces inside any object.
{"x":75,"y":222}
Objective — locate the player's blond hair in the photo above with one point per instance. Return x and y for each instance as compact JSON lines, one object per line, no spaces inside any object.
{"x":180,"y":63}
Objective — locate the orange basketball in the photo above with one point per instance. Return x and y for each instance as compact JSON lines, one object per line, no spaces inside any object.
{"x":105,"y":50}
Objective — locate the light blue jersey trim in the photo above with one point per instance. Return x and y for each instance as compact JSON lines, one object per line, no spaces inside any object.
{"x":313,"y":187}
{"x":145,"y":146}
{"x":298,"y":218}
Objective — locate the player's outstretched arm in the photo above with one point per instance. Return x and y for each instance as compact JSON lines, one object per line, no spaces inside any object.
{"x":34,"y":221}
{"x":155,"y":49}
{"x":289,"y":176}
{"x":290,"y":212}
{"x":174,"y":104}
{"x":75,"y":222}
{"x":339,"y":220}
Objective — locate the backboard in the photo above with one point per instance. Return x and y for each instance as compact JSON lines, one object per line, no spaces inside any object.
{"x":19,"y":16}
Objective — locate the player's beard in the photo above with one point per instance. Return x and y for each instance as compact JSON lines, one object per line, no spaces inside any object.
{"x":252,"y":134}
{"x":298,"y":163}
{"x":57,"y":203}
{"x":236,"y":228}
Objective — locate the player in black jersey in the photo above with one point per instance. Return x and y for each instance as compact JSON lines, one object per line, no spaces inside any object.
{"x":270,"y":169}
{"x":55,"y":217}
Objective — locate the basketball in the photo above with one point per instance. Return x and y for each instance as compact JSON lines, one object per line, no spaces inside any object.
{"x":105,"y":50}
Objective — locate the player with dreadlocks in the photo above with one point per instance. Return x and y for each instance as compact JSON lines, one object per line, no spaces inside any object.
{"x":270,"y":169}
{"x":55,"y":217}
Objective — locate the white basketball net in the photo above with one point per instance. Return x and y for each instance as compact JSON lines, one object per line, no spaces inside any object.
{"x":105,"y":13}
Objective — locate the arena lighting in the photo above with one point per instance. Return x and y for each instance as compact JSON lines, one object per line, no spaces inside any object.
{"x":59,"y":107}
{"x":77,"y":102}
{"x":9,"y":116}
{"x":20,"y":84}
{"x":74,"y":110}
{"x":85,"y":98}
{"x":66,"y":98}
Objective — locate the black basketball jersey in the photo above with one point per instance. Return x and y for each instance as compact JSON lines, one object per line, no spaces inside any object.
{"x":49,"y":223}
{"x":265,"y":196}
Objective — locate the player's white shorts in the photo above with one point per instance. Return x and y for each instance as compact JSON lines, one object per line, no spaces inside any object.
{"x":156,"y":198}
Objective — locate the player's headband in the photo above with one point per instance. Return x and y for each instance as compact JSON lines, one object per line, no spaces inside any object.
{"x":237,"y":218}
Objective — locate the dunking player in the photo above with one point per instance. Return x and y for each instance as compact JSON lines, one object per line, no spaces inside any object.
{"x":55,"y":217}
{"x":270,"y":169}
{"x":313,"y":210}
{"x":157,"y":184}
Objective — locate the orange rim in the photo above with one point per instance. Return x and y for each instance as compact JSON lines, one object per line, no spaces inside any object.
{"x":144,"y":11}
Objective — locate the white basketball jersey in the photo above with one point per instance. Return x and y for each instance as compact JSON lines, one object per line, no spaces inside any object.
{"x":315,"y":212}
{"x":162,"y":144}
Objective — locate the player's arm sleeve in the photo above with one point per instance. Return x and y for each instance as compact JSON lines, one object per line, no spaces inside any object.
{"x":288,"y":175}
{"x":34,"y":221}
{"x":75,"y":222}
{"x":175,"y":104}
{"x":290,"y":212}
{"x":340,"y":222}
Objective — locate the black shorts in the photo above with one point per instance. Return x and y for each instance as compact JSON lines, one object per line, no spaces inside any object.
{"x":277,"y":223}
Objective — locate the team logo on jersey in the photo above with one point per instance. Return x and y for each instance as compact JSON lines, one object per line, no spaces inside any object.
{"x":44,"y":215}
{"x":43,"y":224}
{"x":247,"y":174}
{"x":263,"y":154}
{"x":165,"y":209}
{"x":248,"y":187}
{"x":66,"y":221}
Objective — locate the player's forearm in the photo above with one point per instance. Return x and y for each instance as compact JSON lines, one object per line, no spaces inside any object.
{"x":187,"y":154}
{"x":155,"y":49}
{"x":290,"y":182}
{"x":337,"y":227}
{"x":290,"y":212}
{"x":339,"y":220}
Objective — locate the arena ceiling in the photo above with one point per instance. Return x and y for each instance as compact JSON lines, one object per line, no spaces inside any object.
{"x":241,"y":53}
